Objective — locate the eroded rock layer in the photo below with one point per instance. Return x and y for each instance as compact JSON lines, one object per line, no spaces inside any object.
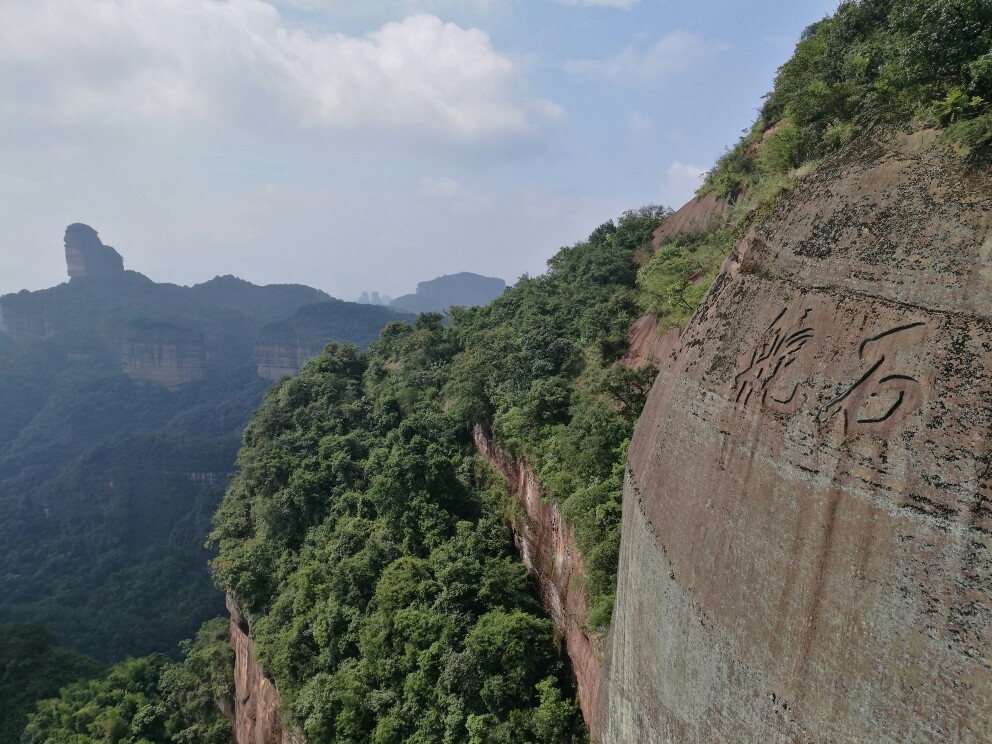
{"x":807,"y":537}
{"x":163,"y":354}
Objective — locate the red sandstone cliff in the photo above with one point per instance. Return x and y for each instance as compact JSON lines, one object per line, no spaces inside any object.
{"x":547,"y":547}
{"x":697,"y":214}
{"x":807,"y":537}
{"x":254,"y":714}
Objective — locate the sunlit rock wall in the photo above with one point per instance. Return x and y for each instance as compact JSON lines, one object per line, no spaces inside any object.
{"x":807,"y":536}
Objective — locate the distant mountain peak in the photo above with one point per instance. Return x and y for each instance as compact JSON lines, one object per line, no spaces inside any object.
{"x":463,"y":289}
{"x":86,"y":255}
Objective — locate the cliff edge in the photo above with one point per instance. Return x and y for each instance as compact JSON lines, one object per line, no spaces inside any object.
{"x":807,"y":535}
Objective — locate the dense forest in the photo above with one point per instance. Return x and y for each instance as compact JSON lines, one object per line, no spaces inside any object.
{"x":370,"y":545}
{"x":107,"y":483}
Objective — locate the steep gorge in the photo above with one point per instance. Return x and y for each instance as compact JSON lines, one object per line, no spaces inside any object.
{"x":548,"y":548}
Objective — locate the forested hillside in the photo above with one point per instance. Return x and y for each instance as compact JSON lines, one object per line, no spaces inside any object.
{"x":123,"y":402}
{"x":394,"y":566}
{"x":368,"y":542}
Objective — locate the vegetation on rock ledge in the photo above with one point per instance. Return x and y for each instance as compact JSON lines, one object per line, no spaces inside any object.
{"x":873,"y":61}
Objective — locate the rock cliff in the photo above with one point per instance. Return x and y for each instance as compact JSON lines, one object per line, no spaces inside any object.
{"x":163,"y":353}
{"x":284,"y":347}
{"x":254,"y":714}
{"x":23,"y":316}
{"x":548,"y":548}
{"x":807,"y":520}
{"x":86,"y":255}
{"x":697,"y":214}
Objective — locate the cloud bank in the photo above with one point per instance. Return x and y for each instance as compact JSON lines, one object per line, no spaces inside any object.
{"x":237,"y":63}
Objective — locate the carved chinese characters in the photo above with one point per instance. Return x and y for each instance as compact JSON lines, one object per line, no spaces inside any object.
{"x":763,"y":377}
{"x":882,"y":395}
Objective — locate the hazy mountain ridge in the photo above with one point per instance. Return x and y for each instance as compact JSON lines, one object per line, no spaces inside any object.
{"x":463,"y":289}
{"x":123,"y":404}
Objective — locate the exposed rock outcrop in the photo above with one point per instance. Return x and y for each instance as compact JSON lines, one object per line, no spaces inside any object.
{"x":278,"y":356}
{"x":283,"y":348}
{"x":807,"y":534}
{"x":163,"y":354}
{"x":255,"y":713}
{"x":646,"y":344}
{"x":548,"y":548}
{"x":86,"y":255}
{"x":24,"y":316}
{"x":697,"y":214}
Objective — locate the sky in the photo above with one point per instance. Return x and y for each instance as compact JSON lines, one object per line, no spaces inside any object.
{"x":354,"y":145}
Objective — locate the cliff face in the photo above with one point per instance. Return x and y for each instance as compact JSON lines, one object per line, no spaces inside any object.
{"x":163,"y":354}
{"x":547,"y":547}
{"x":278,"y":356}
{"x":23,"y":317}
{"x":284,"y":347}
{"x":86,"y":255}
{"x":807,"y":535}
{"x":697,"y":214}
{"x":255,"y":711}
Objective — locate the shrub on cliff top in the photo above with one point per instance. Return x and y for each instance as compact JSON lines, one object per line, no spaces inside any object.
{"x":873,"y":61}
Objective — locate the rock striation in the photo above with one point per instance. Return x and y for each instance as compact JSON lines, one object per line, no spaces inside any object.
{"x":23,"y":316}
{"x":807,"y":519}
{"x":86,"y":255}
{"x":283,"y":348}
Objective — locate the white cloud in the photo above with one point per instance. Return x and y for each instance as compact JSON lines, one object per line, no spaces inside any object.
{"x":649,"y":65}
{"x":621,"y":4}
{"x":681,"y":182}
{"x":237,"y":63}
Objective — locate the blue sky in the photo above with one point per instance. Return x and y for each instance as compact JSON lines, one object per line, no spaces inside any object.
{"x":362,"y":146}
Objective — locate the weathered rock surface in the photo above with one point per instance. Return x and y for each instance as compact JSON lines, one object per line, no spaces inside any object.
{"x":276,"y":357}
{"x":547,"y":547}
{"x":284,"y":347}
{"x":646,"y":344}
{"x":86,"y":255}
{"x":255,"y":711}
{"x":697,"y":214}
{"x":807,"y":535}
{"x":163,"y":354}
